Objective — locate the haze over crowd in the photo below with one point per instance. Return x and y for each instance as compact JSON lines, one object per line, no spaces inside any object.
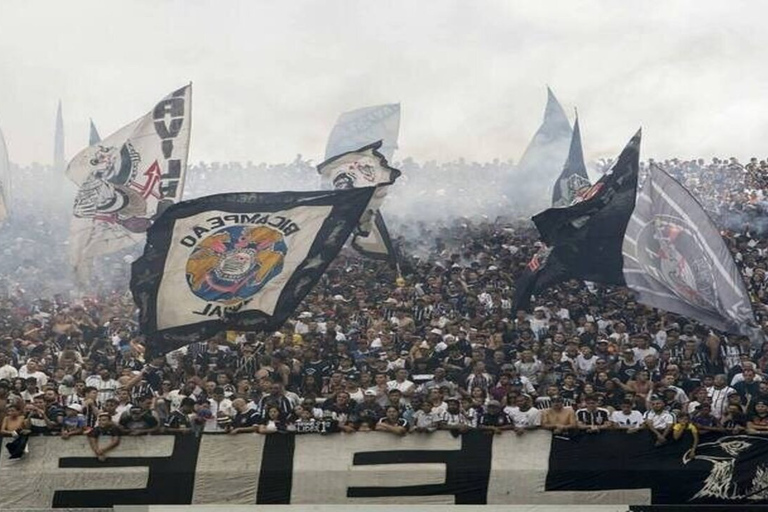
{"x":270,"y":78}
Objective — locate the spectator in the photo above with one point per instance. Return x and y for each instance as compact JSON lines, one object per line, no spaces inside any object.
{"x":138,"y":421}
{"x":74,"y":421}
{"x":658,"y":421}
{"x":757,"y":422}
{"x":627,"y":419}
{"x":524,"y":416}
{"x":104,"y":428}
{"x":16,"y":426}
{"x":494,"y":420}
{"x":559,"y":419}
{"x":246,"y":418}
{"x":684,"y":427}
{"x":181,"y":420}
{"x":591,"y":418}
{"x":392,"y":422}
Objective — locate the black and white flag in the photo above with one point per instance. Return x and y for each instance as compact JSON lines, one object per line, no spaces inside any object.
{"x":574,"y":180}
{"x":356,"y":129}
{"x":364,"y":167}
{"x":239,"y":261}
{"x":676,"y":260}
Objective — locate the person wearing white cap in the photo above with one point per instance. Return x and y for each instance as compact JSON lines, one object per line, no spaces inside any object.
{"x":74,"y":421}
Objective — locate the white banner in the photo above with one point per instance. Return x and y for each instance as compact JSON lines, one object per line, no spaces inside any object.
{"x":128,"y":178}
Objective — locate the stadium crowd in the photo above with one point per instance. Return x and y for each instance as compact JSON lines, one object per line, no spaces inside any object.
{"x":435,"y":347}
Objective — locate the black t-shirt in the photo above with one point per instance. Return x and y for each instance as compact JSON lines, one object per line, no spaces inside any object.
{"x":499,"y":419}
{"x":248,"y":418}
{"x":178,"y":419}
{"x":144,"y":421}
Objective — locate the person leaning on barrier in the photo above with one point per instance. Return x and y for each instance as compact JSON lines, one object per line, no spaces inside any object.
{"x":592,"y":419}
{"x":181,"y":420}
{"x":559,"y":419}
{"x":627,"y":419}
{"x":494,"y":420}
{"x":104,"y":428}
{"x":246,"y":419}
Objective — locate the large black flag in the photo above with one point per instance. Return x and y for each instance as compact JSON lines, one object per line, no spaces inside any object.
{"x":574,"y":179}
{"x":586,"y":237}
{"x":240,"y":261}
{"x":676,"y":260}
{"x":541,"y":272}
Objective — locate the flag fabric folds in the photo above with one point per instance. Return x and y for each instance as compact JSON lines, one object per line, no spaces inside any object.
{"x":237,"y":261}
{"x":676,"y":260}
{"x":587,"y":236}
{"x":127,"y":179}
{"x":353,"y":130}
{"x":377,"y":245}
{"x":93,"y":137}
{"x":542,"y":271}
{"x":543,"y":158}
{"x":364,"y":126}
{"x":5,"y":180}
{"x":585,"y":239}
{"x":574,"y":179}
{"x":363,"y":167}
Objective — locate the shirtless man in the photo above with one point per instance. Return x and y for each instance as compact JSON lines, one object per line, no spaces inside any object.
{"x":557,"y":418}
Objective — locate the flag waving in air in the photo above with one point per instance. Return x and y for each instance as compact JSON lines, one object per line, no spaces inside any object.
{"x":585,"y":239}
{"x":93,"y":136}
{"x":356,"y":129}
{"x":128,"y":178}
{"x":676,"y":260}
{"x":574,"y":178}
{"x":364,"y":167}
{"x":238,"y":261}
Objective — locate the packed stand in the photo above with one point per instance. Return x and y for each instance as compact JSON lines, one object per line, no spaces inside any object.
{"x":439,"y":348}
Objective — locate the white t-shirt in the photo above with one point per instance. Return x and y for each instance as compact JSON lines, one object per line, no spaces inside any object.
{"x":403,"y":387}
{"x":8,"y":372}
{"x":529,"y":418}
{"x":660,"y":421}
{"x":633,"y":419}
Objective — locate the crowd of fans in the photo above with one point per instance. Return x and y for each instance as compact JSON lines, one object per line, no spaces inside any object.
{"x":437,"y":346}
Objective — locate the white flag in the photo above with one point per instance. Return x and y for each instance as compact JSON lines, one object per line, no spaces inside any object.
{"x":365,"y":167}
{"x":128,"y":178}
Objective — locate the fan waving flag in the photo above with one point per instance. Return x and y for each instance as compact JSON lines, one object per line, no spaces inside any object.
{"x":240,"y":261}
{"x":364,"y":167}
{"x":676,"y":260}
{"x":128,"y":178}
{"x":574,"y":179}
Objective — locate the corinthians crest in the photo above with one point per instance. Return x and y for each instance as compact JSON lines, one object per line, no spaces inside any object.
{"x":113,"y":192}
{"x":233,"y":264}
{"x":358,"y":170}
{"x":674,"y":256}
